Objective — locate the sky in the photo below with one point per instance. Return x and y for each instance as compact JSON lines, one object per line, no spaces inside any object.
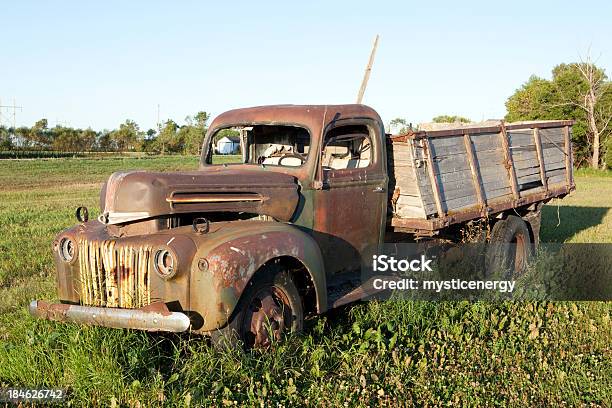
{"x":96,"y":65}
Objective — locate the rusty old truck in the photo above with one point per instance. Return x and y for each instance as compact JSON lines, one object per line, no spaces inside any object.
{"x":246,"y":248}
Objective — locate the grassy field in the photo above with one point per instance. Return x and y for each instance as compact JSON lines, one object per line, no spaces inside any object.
{"x":393,"y":353}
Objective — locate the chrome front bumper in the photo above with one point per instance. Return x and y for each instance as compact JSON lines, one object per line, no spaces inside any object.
{"x":155,"y":317}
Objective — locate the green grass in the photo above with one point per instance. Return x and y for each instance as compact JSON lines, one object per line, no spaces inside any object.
{"x":585,"y":215}
{"x":392,"y":353}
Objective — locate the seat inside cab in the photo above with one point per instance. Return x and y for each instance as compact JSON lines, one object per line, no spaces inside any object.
{"x":347,"y":147}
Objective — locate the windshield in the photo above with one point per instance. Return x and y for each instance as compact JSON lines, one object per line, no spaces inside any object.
{"x":274,"y":145}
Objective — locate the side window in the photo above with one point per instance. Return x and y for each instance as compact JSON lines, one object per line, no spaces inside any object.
{"x":347,"y":147}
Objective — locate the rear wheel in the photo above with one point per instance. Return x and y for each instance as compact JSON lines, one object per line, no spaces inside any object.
{"x":269,"y":307}
{"x":509,"y":248}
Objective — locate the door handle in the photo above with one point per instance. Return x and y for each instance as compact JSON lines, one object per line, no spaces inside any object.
{"x":379,"y":189}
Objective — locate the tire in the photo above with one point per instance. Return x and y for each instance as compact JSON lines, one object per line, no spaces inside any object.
{"x":269,"y":307}
{"x":509,"y":248}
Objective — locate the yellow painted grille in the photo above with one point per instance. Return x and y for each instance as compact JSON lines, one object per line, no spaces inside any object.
{"x":114,"y":275}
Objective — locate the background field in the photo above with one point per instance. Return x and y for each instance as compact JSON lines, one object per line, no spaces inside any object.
{"x":421,"y":353}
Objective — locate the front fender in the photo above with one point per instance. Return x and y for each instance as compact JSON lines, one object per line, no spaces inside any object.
{"x":220,"y":273}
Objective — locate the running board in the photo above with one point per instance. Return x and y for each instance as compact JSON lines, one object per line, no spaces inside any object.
{"x":361,"y":292}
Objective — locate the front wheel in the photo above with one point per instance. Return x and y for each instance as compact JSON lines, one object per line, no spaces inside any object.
{"x":270,"y":306}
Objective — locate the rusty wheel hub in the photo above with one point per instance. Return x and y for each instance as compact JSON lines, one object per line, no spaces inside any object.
{"x":266,"y":318}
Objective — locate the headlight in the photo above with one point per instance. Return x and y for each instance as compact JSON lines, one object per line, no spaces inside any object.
{"x":66,"y":249}
{"x":164,"y":263}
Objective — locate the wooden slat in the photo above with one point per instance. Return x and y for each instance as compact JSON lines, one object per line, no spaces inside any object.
{"x":528,"y":171}
{"x":568,"y":156}
{"x":530,"y":179}
{"x":489,"y":173}
{"x":538,"y":143}
{"x":475,"y":177}
{"x":484,"y":141}
{"x":554,"y":166}
{"x":553,"y":135}
{"x":410,"y":211}
{"x":492,"y":194}
{"x":433,"y":178}
{"x":556,"y":172}
{"x":461,"y":202}
{"x":560,"y":179}
{"x":487,"y":156}
{"x":481,"y":141}
{"x":520,"y":138}
{"x":460,"y":188}
{"x":465,"y":188}
{"x":508,"y":162}
{"x":451,"y":164}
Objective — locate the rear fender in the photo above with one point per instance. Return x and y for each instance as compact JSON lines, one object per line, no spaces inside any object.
{"x":220,"y":275}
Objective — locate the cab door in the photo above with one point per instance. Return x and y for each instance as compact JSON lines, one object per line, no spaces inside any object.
{"x":350,"y":208}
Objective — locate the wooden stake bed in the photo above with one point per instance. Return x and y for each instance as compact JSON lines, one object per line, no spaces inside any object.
{"x":443,"y":177}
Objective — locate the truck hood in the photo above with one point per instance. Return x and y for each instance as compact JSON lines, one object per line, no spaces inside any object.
{"x":138,"y":195}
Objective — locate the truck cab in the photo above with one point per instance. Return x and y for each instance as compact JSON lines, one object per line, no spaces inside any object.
{"x":241,"y":249}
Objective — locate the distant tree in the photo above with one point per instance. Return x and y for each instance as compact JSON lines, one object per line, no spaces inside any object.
{"x":128,"y":136}
{"x":67,"y":139}
{"x":41,"y":124}
{"x":193,"y":132}
{"x":23,"y":137}
{"x":579,"y":91}
{"x":104,"y":141}
{"x":88,"y":139}
{"x":200,"y":119}
{"x":40,"y":136}
{"x":399,"y":126}
{"x":5,"y":139}
{"x":185,"y":136}
{"x":595,"y":99}
{"x":149,"y":141}
{"x":450,"y":119}
{"x":167,"y":141}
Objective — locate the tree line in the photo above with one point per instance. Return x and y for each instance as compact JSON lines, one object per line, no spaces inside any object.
{"x":128,"y":137}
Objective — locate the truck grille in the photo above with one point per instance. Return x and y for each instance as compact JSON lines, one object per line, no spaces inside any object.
{"x":114,"y":275}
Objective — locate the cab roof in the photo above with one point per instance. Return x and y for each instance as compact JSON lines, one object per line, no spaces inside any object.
{"x":311,"y":116}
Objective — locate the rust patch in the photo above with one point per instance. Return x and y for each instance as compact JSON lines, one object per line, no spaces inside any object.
{"x":235,"y":262}
{"x":157,"y":307}
{"x":52,"y":311}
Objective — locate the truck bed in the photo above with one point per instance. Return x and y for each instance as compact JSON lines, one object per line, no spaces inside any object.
{"x":447,"y":176}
